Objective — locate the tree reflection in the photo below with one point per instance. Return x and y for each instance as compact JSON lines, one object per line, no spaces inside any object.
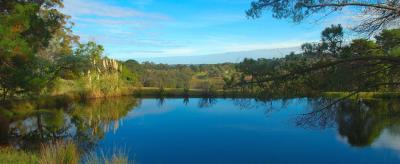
{"x":84,"y":122}
{"x":160,"y":101}
{"x":207,"y":102}
{"x":360,"y":122}
{"x":186,"y":100}
{"x":268,"y":105}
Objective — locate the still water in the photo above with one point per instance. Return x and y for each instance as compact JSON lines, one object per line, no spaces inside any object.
{"x":181,"y":131}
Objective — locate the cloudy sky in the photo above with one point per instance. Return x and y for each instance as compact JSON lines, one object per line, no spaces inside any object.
{"x":161,"y":28}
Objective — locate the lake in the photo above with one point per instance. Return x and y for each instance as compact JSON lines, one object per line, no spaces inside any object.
{"x":196,"y":130}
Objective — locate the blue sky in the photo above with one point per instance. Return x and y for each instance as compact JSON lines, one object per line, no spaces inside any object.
{"x":131,"y":29}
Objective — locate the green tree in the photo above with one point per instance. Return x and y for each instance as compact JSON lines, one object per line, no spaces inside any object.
{"x":362,"y":47}
{"x":388,"y":39}
{"x":91,"y":49}
{"x":332,"y":37}
{"x":357,"y":67}
{"x":26,"y":28}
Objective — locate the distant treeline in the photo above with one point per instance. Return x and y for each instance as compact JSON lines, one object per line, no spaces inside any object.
{"x":180,"y":76}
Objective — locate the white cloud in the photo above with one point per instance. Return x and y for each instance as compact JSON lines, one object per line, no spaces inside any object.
{"x":389,"y":139}
{"x":95,"y":8}
{"x":130,"y":31}
{"x":113,"y":25}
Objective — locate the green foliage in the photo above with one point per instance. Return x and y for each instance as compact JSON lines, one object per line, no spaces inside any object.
{"x":179,"y":76}
{"x":395,"y":51}
{"x":332,"y":37}
{"x":362,"y":65}
{"x":362,"y":47}
{"x":36,"y":49}
{"x":388,"y":39}
{"x":26,"y":29}
{"x":91,"y":50}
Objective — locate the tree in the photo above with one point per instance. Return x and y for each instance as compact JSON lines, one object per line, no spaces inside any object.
{"x":379,"y":14}
{"x":352,"y":72}
{"x":332,"y":37}
{"x":91,"y":49}
{"x":313,"y":49}
{"x":388,"y":40}
{"x":26,"y":28}
{"x":362,"y":47}
{"x":357,"y":67}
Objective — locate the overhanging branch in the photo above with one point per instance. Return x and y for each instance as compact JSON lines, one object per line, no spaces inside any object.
{"x":316,"y":67}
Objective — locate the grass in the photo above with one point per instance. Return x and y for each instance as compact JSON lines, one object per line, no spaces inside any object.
{"x":11,"y":156}
{"x":60,"y":152}
{"x":57,"y":153}
{"x":364,"y":95}
{"x":179,"y":92}
{"x":118,"y":157}
{"x":109,"y":85}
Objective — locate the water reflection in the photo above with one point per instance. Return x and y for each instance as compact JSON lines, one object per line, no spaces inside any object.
{"x":85,"y":123}
{"x":360,"y":123}
{"x":207,"y":102}
{"x":367,"y":123}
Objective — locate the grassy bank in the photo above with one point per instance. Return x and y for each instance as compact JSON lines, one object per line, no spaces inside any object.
{"x":364,"y":95}
{"x":105,"y":86}
{"x":180,"y":92}
{"x":59,"y":152}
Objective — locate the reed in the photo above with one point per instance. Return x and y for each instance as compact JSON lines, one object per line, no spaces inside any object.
{"x":59,"y":152}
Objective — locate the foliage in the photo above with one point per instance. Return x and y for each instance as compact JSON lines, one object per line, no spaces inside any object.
{"x":38,"y":50}
{"x":362,"y":65}
{"x":26,"y":31}
{"x":388,"y":40}
{"x":332,"y":38}
{"x":179,"y":76}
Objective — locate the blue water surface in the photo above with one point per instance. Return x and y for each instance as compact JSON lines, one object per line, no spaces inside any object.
{"x":175,"y":131}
